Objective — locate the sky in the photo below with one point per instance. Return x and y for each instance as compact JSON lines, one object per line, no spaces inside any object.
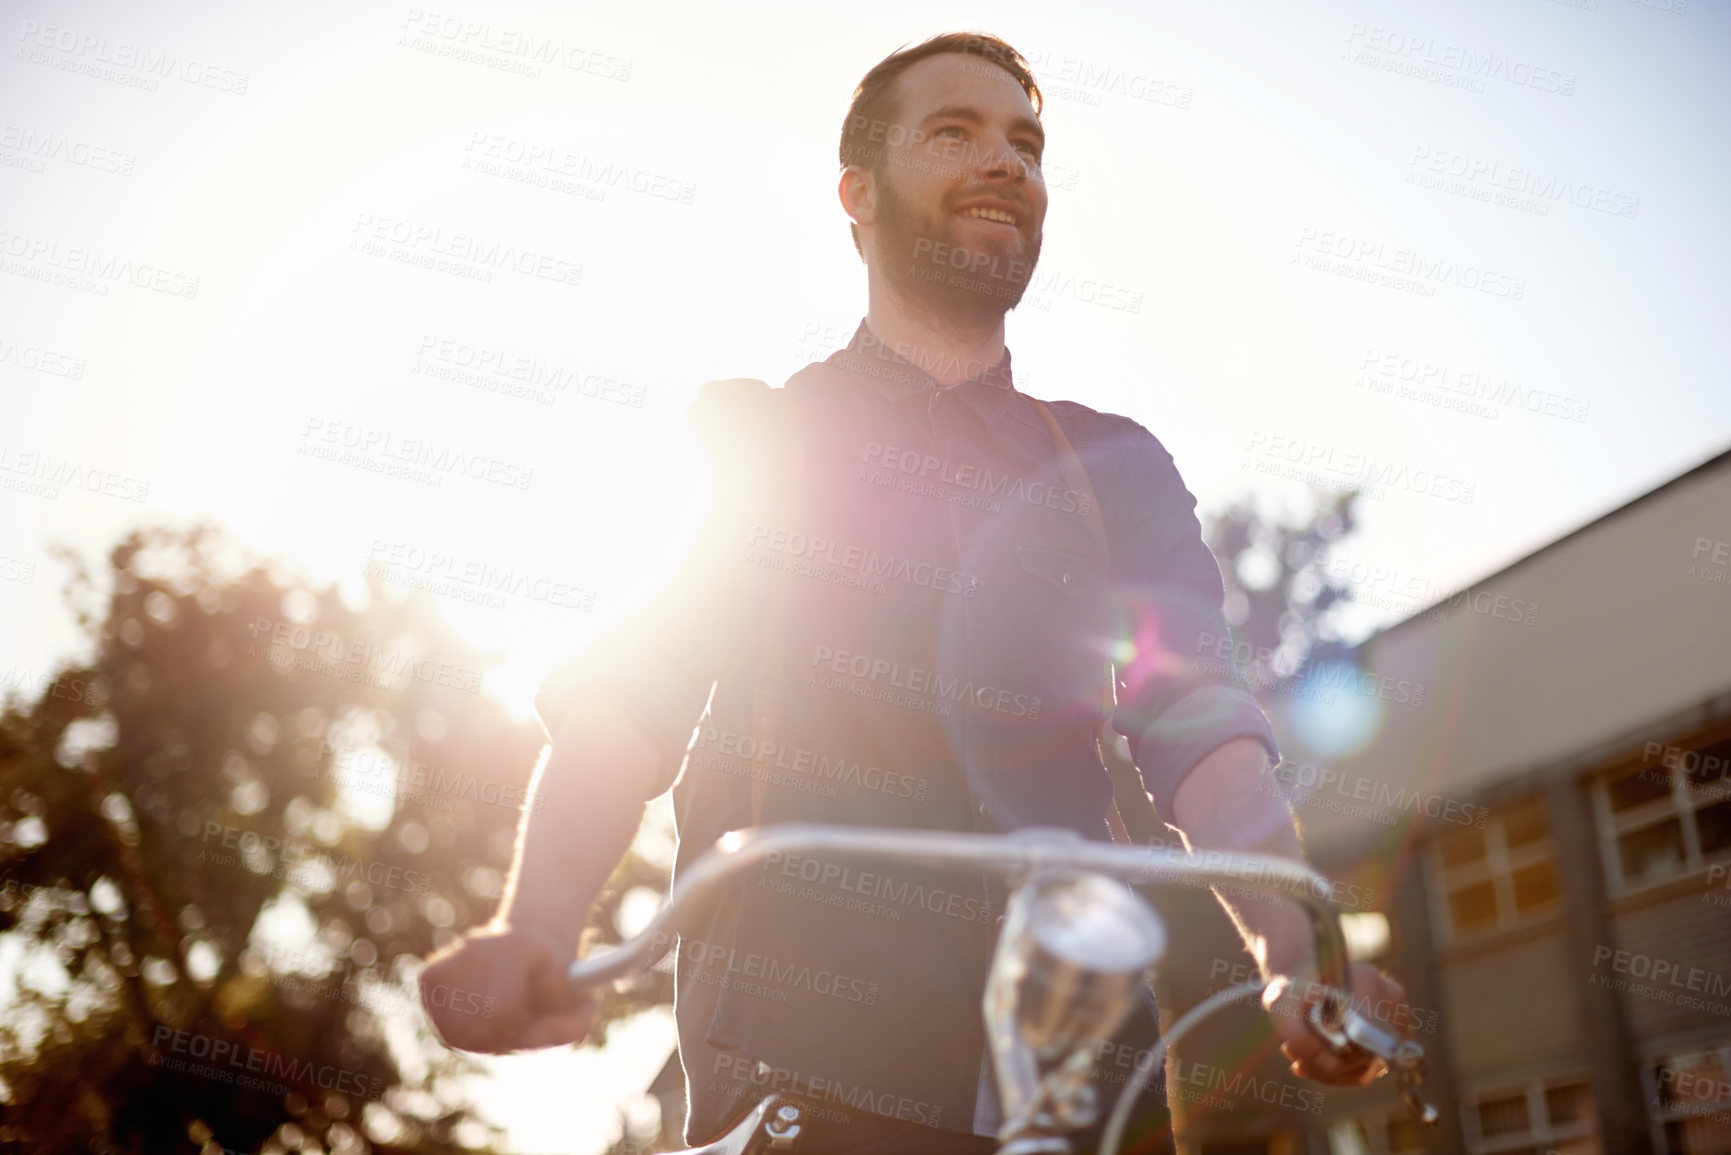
{"x":1469,"y":256}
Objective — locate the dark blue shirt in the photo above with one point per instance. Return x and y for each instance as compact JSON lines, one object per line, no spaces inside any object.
{"x":947,"y":622}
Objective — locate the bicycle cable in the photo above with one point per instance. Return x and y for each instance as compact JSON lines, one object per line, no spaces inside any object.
{"x":1157,"y":1057}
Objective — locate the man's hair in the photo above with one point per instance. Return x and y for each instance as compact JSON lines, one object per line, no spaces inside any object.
{"x":874,"y":105}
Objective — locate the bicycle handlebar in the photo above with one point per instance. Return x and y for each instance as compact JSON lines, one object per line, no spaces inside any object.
{"x":1024,"y":851}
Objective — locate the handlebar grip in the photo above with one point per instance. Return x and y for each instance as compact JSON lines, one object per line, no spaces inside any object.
{"x":1403,"y":1056}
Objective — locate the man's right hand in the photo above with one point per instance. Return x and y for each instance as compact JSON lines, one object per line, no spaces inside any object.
{"x":498,"y":991}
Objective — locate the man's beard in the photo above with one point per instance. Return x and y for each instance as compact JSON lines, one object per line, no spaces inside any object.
{"x":967,"y":286}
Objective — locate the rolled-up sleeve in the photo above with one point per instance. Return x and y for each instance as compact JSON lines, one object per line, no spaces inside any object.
{"x":1177,"y":701}
{"x":660,"y":663}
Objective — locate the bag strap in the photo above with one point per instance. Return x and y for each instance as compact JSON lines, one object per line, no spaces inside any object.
{"x":1131,"y":815}
{"x":1077,"y":479}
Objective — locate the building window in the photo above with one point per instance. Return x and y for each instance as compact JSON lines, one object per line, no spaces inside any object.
{"x":1667,"y":816}
{"x":1497,"y":875}
{"x":1537,"y":1118}
{"x":1690,"y":1096}
{"x":1393,"y":1133}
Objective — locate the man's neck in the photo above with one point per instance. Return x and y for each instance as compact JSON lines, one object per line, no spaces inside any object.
{"x":947,"y":350}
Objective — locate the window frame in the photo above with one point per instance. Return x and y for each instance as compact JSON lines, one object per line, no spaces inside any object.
{"x":1683,"y":802}
{"x":1498,"y":866}
{"x":1540,"y":1131}
{"x":1658,"y":1116}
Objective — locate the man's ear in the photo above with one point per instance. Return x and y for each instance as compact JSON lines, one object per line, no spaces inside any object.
{"x":858,"y":192}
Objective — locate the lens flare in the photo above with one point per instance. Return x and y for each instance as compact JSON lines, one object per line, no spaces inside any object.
{"x":1329,"y":713}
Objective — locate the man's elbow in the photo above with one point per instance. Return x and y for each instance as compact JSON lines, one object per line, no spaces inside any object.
{"x":1232,"y":779}
{"x":600,"y":745}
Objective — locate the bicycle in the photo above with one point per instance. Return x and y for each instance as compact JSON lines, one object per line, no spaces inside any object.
{"x":1076,"y":941}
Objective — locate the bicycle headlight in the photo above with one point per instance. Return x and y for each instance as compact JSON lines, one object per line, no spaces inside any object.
{"x":1071,"y":956}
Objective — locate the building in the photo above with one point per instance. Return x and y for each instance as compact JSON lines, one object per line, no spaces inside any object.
{"x":1539,"y":807}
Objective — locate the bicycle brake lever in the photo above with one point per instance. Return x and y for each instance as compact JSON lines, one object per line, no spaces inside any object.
{"x":1403,"y":1056}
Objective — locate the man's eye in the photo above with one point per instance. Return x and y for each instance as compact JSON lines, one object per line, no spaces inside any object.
{"x":955,"y":128}
{"x":1028,"y":150}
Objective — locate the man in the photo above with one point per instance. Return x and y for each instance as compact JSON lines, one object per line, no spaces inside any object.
{"x":899,"y":616}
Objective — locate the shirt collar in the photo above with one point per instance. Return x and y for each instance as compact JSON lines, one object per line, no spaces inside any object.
{"x":891,"y":375}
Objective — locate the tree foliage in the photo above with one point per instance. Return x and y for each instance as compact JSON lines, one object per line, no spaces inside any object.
{"x":227,"y":837}
{"x":1280,"y":600}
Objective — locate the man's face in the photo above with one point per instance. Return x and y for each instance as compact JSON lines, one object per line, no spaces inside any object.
{"x":958,"y":199}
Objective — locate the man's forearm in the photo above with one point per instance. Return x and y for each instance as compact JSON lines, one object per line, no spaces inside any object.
{"x":586,"y":804}
{"x":1228,"y":803}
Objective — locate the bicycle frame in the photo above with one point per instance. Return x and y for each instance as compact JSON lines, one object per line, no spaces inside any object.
{"x":1027,"y":859}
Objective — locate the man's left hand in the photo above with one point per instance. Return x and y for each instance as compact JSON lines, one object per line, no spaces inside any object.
{"x":1374,"y":995}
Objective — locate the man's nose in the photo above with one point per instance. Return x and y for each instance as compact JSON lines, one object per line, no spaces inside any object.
{"x":1001,"y":161}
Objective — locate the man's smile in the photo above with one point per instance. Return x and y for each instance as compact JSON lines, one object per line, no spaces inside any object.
{"x":994,"y":213}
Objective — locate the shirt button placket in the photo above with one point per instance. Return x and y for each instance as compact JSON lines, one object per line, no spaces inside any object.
{"x":943,"y":444}
{"x":984,"y":822}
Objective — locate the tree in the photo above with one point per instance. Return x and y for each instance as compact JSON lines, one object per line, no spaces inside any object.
{"x":227,"y":838}
{"x":1280,"y":602}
